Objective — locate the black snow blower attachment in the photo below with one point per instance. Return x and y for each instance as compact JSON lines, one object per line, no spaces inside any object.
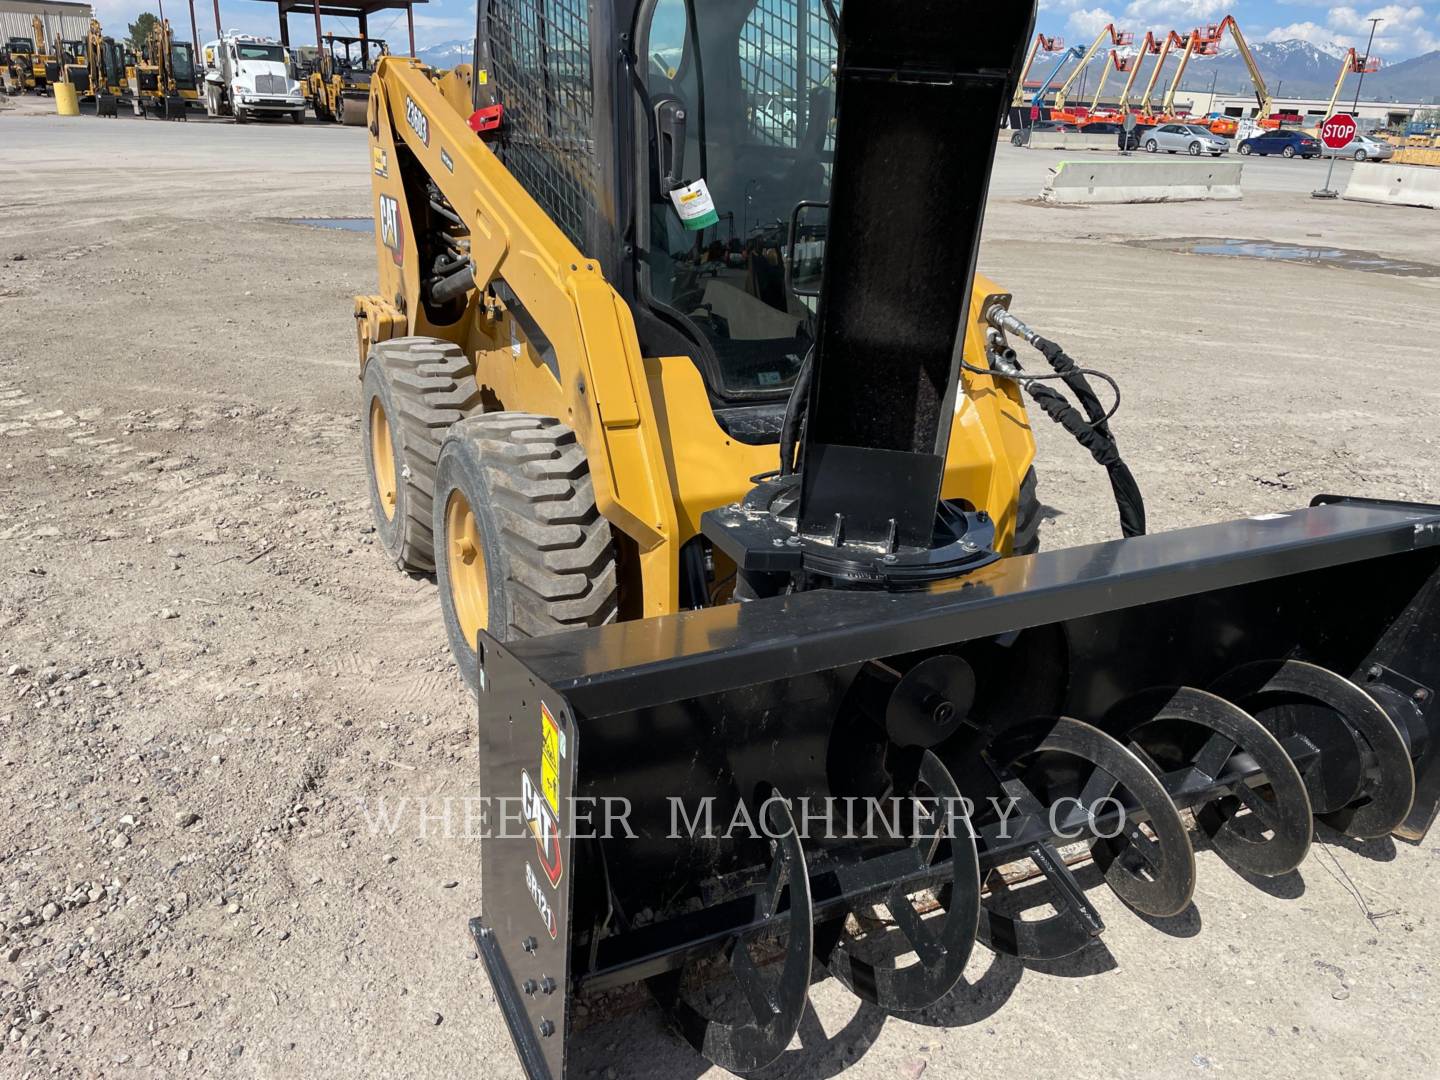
{"x":897,"y":742}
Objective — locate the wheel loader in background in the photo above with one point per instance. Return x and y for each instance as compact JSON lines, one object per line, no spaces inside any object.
{"x":680,"y":379}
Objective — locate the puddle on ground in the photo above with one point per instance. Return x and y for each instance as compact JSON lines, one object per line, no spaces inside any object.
{"x":344,"y":224}
{"x":1295,"y":254}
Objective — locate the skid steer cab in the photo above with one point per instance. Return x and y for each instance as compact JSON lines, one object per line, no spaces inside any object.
{"x":679,"y":378}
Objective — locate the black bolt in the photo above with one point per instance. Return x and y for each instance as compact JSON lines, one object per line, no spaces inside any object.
{"x":547,"y":1028}
{"x":529,"y":944}
{"x":1422,"y":695}
{"x":547,"y":984}
{"x":1375,"y":671}
{"x":529,"y":986}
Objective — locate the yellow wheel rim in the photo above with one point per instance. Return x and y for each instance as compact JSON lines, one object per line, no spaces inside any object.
{"x":382,"y":459}
{"x":465,"y":560}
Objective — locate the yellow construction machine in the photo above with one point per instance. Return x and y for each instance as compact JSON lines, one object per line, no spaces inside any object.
{"x":157,"y":87}
{"x":15,"y":68}
{"x":679,"y":377}
{"x":97,"y":71}
{"x":338,"y":81}
{"x":36,"y":65}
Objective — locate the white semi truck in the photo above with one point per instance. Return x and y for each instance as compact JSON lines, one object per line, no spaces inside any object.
{"x":248,"y":76}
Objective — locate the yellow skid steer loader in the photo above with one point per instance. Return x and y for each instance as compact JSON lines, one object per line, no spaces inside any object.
{"x":679,"y":377}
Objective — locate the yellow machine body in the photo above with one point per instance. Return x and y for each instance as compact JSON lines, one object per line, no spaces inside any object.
{"x":657,"y":455}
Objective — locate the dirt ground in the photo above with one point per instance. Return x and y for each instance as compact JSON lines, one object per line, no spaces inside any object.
{"x":209,"y":677}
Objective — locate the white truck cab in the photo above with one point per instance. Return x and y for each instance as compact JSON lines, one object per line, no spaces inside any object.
{"x":247,"y":76}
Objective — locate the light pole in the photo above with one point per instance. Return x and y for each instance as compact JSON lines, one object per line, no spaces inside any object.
{"x":1361,"y":81}
{"x":1213,"y":76}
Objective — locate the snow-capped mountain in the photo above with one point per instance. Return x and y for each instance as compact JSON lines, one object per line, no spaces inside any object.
{"x":447,"y":54}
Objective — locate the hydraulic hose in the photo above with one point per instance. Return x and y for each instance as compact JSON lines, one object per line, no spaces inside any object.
{"x":1095,"y":435}
{"x":795,"y":415}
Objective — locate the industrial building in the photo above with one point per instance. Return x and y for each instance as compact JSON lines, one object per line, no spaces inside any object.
{"x":72,"y":21}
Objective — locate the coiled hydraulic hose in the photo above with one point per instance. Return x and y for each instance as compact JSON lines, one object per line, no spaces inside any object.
{"x":1095,"y":435}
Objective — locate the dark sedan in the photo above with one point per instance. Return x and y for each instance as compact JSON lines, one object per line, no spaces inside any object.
{"x":1286,"y":143}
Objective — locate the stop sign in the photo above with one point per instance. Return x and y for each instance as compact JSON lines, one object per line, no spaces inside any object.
{"x":1337,"y":131}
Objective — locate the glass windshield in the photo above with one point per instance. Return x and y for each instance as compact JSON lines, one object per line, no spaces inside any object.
{"x":183,"y":60}
{"x":759,"y":99}
{"x":246,"y":51}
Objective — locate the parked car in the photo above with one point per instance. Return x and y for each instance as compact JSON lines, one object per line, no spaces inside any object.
{"x":1022,"y":135}
{"x":1362,"y":148}
{"x":1286,"y":142}
{"x":1100,"y":127}
{"x":1138,"y":136}
{"x":1191,"y":139}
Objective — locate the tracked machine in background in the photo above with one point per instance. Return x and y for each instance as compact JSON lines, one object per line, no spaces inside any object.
{"x":680,"y":378}
{"x":157,"y":86}
{"x":98,"y":71}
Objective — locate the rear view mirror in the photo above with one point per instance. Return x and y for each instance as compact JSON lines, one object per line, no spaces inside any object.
{"x":805,"y":250}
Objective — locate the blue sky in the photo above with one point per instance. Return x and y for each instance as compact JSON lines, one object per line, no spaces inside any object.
{"x":1407,"y":30}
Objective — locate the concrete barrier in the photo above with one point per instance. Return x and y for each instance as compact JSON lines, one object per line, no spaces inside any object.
{"x":1141,"y":180}
{"x":1072,"y":140}
{"x":1398,"y":185}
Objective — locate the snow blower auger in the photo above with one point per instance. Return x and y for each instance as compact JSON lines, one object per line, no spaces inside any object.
{"x":741,"y":717}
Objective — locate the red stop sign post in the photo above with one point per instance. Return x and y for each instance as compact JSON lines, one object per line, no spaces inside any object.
{"x":1337,"y":132}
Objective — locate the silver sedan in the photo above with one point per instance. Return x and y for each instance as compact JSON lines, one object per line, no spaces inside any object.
{"x":1362,"y":148}
{"x":1189,"y":139}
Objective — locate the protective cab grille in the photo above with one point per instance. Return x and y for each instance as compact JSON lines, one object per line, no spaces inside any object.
{"x":540,"y":55}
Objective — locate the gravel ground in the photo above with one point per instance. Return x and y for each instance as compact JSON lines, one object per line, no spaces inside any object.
{"x":209,"y":678}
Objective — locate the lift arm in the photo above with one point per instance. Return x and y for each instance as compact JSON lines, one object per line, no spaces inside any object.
{"x":599,"y":368}
{"x":1262,"y":92}
{"x":1171,"y":40}
{"x":1148,"y":47}
{"x":1352,"y":64}
{"x":1192,"y":44}
{"x":1072,"y":53}
{"x":1117,"y":38}
{"x":1042,"y":44}
{"x":1121,"y":64}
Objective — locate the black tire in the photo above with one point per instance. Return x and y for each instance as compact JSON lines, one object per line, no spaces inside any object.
{"x":298,"y":116}
{"x":1027,"y":517}
{"x":1360,"y":155}
{"x":1244,"y":149}
{"x":241,"y":116}
{"x":422,"y":386}
{"x":1194,"y":149}
{"x":1017,"y":139}
{"x":1151,"y":146}
{"x":549,"y":555}
{"x":1288,"y":152}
